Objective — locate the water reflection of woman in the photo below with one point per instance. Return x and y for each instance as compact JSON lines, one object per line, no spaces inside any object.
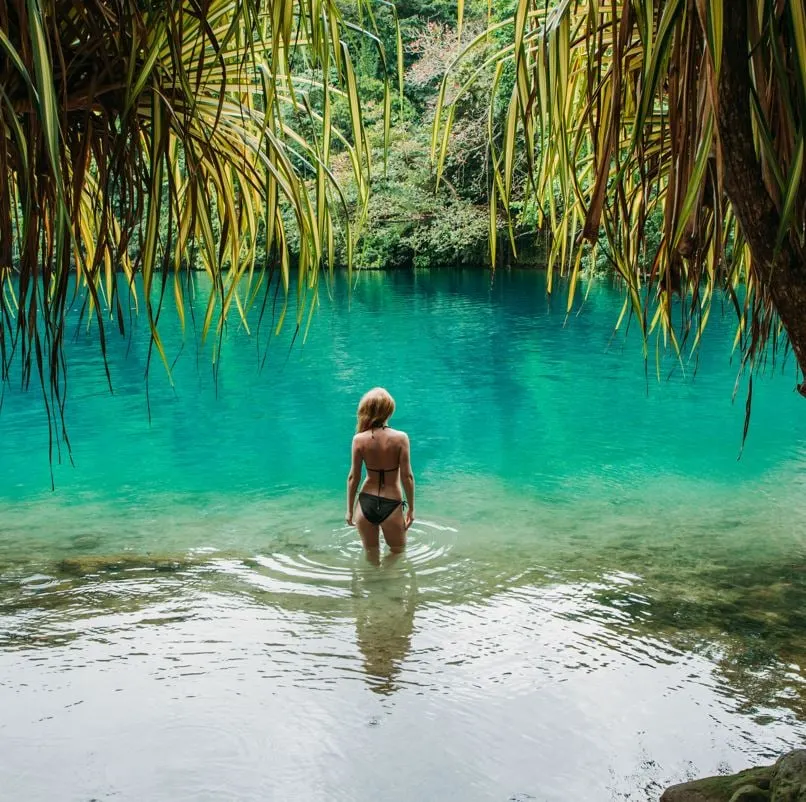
{"x":385,"y":601}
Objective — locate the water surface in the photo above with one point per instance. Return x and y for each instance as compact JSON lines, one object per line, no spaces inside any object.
{"x":599,"y":597}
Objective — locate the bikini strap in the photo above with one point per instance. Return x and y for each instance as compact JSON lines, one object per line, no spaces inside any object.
{"x":382,"y":470}
{"x":373,"y":428}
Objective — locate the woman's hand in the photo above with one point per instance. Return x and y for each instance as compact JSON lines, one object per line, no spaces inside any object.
{"x":348,"y":519}
{"x":409,"y":517}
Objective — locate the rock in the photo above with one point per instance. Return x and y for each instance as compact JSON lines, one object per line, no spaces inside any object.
{"x":723,"y":789}
{"x":750,"y":793}
{"x":688,"y":792}
{"x":783,"y":782}
{"x":789,"y":778}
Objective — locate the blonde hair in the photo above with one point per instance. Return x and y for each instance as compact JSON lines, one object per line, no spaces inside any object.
{"x":374,"y":409}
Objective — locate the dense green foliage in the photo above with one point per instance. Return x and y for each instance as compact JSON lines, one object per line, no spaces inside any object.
{"x":412,"y":222}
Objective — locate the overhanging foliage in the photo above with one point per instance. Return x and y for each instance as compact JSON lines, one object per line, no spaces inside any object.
{"x":693,"y":110}
{"x":154,"y":136}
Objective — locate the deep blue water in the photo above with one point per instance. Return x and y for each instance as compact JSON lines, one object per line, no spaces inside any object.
{"x":488,"y":379}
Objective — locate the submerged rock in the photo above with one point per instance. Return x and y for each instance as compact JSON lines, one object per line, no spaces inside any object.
{"x":785,"y":781}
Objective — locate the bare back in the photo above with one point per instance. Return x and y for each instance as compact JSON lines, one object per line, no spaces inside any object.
{"x":381,"y":451}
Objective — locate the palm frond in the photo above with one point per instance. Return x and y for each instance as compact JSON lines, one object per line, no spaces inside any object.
{"x":687,"y":112}
{"x":134,"y":133}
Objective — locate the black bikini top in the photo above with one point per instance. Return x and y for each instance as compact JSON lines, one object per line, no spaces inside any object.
{"x":382,"y":471}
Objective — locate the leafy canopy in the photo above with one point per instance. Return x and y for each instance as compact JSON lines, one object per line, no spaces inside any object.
{"x":617,"y":117}
{"x":157,"y":136}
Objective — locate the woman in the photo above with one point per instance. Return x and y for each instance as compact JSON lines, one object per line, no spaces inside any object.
{"x":386,"y":454}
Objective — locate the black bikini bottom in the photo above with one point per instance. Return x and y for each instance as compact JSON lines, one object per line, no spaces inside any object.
{"x":377,"y":509}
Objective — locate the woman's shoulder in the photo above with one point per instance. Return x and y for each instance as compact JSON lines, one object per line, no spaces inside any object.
{"x":360,"y":437}
{"x":392,"y":434}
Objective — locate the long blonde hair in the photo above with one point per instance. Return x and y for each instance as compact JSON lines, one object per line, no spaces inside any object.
{"x":374,"y":409}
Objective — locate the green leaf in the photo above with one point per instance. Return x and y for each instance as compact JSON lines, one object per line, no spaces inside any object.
{"x":695,"y":181}
{"x":788,"y":220}
{"x":798,"y":14}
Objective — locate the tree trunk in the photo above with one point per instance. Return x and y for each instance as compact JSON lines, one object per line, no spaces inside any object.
{"x":782,"y":276}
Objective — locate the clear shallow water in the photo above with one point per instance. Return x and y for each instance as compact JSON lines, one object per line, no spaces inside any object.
{"x":598,"y":599}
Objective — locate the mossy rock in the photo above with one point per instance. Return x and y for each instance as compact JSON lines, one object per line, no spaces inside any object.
{"x":783,"y":782}
{"x":789,"y":778}
{"x":722,"y":789}
{"x":751,"y":793}
{"x":102,"y":563}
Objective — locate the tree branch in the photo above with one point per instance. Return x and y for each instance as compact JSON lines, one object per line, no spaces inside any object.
{"x":781,"y":275}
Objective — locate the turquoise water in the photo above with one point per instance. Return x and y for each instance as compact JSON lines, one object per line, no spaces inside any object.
{"x":599,"y":597}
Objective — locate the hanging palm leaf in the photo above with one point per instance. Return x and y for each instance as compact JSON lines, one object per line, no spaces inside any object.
{"x":135,"y":133}
{"x":687,"y":111}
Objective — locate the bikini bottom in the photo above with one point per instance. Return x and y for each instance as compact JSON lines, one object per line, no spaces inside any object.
{"x":377,"y":509}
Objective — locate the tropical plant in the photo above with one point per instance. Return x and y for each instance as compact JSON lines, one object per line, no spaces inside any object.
{"x":627,"y":110}
{"x":154,"y":136}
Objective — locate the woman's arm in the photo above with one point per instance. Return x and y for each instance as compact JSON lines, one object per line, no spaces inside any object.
{"x":407,"y":477}
{"x":353,"y":478}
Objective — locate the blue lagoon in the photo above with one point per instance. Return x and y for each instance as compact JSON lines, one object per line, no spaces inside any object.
{"x":599,"y":598}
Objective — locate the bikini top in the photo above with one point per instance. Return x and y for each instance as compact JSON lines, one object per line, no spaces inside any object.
{"x":383,"y":471}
